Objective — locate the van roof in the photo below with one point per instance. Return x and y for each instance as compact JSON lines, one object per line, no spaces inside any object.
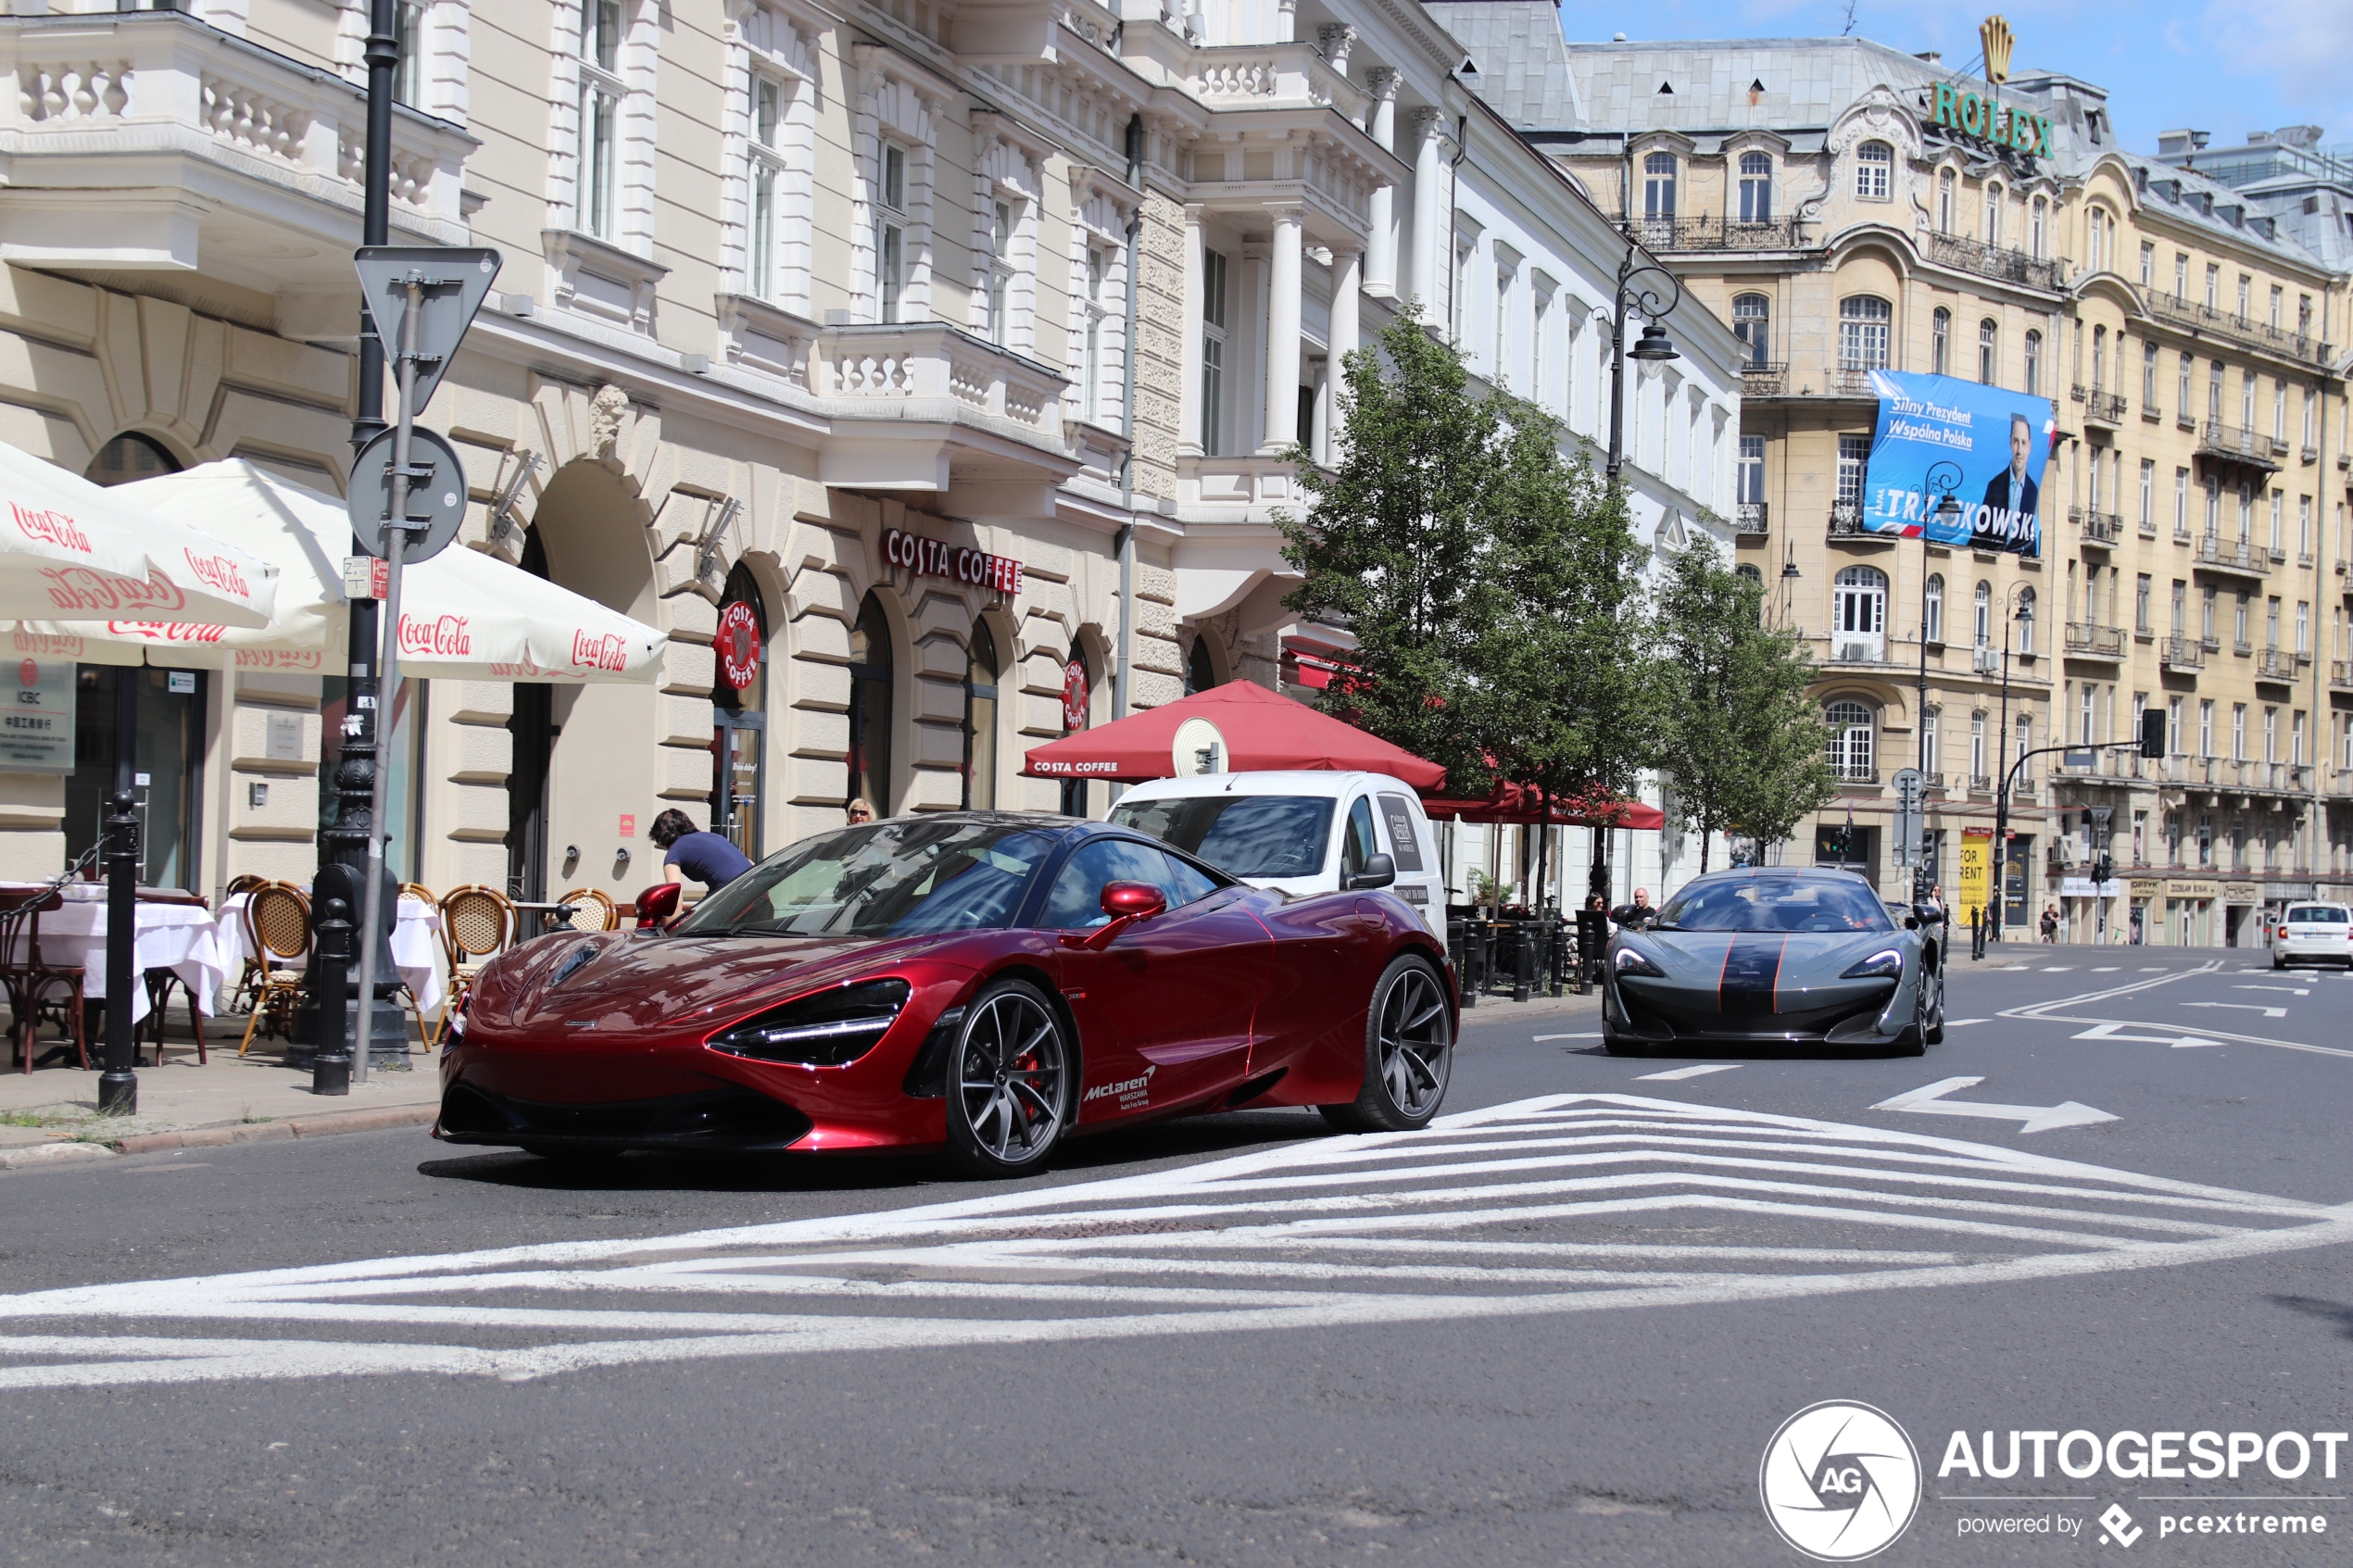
{"x":1269,"y":782}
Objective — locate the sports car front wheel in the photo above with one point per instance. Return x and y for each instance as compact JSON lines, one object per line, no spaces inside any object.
{"x":1009,"y":1096}
{"x":1409,"y":1052}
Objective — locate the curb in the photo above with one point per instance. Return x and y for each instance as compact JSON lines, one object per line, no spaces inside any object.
{"x":322,"y":1126}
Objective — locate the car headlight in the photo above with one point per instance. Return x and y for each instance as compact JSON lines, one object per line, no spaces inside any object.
{"x":823,"y":1029}
{"x":1633,"y":960}
{"x":1885,"y":964}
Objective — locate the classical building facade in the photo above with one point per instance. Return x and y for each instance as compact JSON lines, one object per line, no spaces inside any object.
{"x":799,"y":304}
{"x":1808,"y":192}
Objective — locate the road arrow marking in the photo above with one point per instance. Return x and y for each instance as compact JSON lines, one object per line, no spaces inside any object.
{"x":2179,"y":1042}
{"x":1930,"y":1101}
{"x":1688,"y":1072}
{"x":2292,"y":990}
{"x":2242,"y":1006}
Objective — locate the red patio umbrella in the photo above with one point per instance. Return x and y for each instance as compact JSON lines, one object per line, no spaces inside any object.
{"x":1519,"y":803}
{"x":1254,"y":729}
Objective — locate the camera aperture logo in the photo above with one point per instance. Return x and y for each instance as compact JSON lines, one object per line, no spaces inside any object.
{"x":1840,"y":1481}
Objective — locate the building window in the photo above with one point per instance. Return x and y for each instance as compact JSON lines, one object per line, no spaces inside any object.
{"x":1862,"y":322}
{"x":2141,"y":588}
{"x":1094,"y":332}
{"x":1659,"y":187}
{"x":1854,"y":729}
{"x":1944,"y":201}
{"x":739,"y":731}
{"x":890,"y":233}
{"x":767,"y":180}
{"x":1940,"y":342}
{"x":1874,"y":170}
{"x":1992,"y":214}
{"x":998,"y":306}
{"x":2096,"y":242}
{"x":2214,"y":374}
{"x":2148,"y":265}
{"x":2246,"y":286}
{"x":2181,"y":275}
{"x":1853,"y":459}
{"x":1497,"y":360}
{"x":2148,"y":497}
{"x":2099,"y":359}
{"x":1988,"y":357}
{"x":1751,"y":472}
{"x":1213,"y":350}
{"x":980,"y":720}
{"x":2034,"y":364}
{"x":2036,"y":229}
{"x":1753,"y":324}
{"x":2205,"y":734}
{"x":2213,"y":285}
{"x":1540,"y":310}
{"x":1933,"y":607}
{"x":2277,"y":297}
{"x":409,"y":51}
{"x":2279,"y":413}
{"x":1976,"y":746}
{"x":2026,"y":622}
{"x":1982,"y":604}
{"x":2182,"y":390}
{"x":2148,"y":378}
{"x":600,"y":95}
{"x":1756,"y":188}
{"x":2180,"y":503}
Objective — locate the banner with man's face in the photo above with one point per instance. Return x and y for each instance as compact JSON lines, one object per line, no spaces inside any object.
{"x":1957,"y":462}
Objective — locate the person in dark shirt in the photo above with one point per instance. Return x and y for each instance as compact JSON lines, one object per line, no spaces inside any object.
{"x":1636,"y":915}
{"x":705,"y":856}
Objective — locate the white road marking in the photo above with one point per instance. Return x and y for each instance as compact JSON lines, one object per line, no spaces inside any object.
{"x":2241,"y":1007}
{"x":1931,"y":1101}
{"x":2293,"y":990}
{"x":1962,"y":1022}
{"x":2153,"y":968}
{"x":2057,"y":968}
{"x":1594,"y":1035}
{"x":2104,"y":968}
{"x":1386,"y":1228}
{"x":2067,"y":1009}
{"x":1674,"y":1074}
{"x":2113,"y":1032}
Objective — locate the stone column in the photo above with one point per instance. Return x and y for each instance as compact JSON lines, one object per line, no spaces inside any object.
{"x":1347,"y":279}
{"x":1286,"y":21}
{"x":1333,"y":39}
{"x":1381,"y":258}
{"x":1319,"y":375}
{"x":1189,"y":328}
{"x":1427,"y":274}
{"x":1282,"y":328}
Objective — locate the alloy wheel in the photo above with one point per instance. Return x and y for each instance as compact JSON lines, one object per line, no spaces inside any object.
{"x":1415,"y":1042}
{"x":1009,"y":1072}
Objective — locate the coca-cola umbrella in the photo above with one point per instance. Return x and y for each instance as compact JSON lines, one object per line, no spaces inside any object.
{"x":464,"y":615}
{"x":1234,"y":728}
{"x":70,"y":547}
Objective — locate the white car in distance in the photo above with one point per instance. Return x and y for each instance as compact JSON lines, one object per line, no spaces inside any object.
{"x":2313,"y":933}
{"x":1298,"y":832}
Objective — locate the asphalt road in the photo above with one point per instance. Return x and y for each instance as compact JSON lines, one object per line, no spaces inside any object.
{"x":1563,"y":1327}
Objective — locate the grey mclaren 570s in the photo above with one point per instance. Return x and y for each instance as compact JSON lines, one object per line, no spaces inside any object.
{"x":1778,"y":956}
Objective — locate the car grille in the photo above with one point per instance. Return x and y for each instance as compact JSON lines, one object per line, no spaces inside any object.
{"x":725,"y":1118}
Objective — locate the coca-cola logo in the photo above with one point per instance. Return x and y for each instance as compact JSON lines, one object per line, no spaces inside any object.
{"x":163,"y":632}
{"x":79,"y":588}
{"x":43,"y":645}
{"x":272,"y":658}
{"x":591,"y":652}
{"x":56,"y":528}
{"x":219,"y":573}
{"x":528,"y":669}
{"x":446,"y":636}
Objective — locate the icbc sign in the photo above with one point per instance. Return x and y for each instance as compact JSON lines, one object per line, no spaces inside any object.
{"x":737,"y":644}
{"x":929,"y":558}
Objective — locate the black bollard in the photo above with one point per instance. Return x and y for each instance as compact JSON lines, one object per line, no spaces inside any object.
{"x":1524,"y":961}
{"x":119,"y":1085}
{"x":331,"y":1066}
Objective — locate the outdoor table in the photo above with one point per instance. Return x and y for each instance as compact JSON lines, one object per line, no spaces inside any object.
{"x":416,"y":946}
{"x":175,"y":933}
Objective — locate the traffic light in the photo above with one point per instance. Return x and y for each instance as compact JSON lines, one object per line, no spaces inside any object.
{"x":2153,"y":733}
{"x":2102,"y":871}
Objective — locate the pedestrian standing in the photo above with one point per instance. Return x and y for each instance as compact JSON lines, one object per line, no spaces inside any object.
{"x":2050,"y":924}
{"x":859,"y":812}
{"x":709,"y":858}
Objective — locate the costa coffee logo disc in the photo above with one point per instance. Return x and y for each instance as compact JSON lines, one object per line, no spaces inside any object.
{"x":738,"y":645}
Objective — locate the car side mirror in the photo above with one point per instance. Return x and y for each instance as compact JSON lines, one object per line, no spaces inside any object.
{"x":1380,"y":871}
{"x":1125,"y":903}
{"x":657,"y":904}
{"x":1911,"y":923}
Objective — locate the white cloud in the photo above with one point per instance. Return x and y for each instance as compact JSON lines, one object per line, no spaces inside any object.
{"x":2304,"y":46}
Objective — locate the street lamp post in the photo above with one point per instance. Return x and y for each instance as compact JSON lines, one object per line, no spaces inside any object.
{"x":2018,"y":611}
{"x":1947,"y":478}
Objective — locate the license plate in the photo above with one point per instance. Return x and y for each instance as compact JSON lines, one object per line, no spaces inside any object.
{"x":1414,"y":893}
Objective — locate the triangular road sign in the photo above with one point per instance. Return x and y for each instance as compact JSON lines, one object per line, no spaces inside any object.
{"x":455,"y":282}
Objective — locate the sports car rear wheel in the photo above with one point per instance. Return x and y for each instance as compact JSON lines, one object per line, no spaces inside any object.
{"x":1934,"y":980}
{"x":1409,"y":1052}
{"x":1010,"y":1094}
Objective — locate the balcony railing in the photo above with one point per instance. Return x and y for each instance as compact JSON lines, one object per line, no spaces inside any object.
{"x":1760,"y":379}
{"x":1980,"y":783}
{"x":1849,"y":381}
{"x":2085,"y":640}
{"x":1847,"y":518}
{"x":1848,"y":775}
{"x":2107,"y":408}
{"x":916,"y":368}
{"x":2341,"y":675}
{"x":2183,"y":655}
{"x":1749,"y":517}
{"x":2202,"y":318}
{"x":2148,"y":526}
{"x":2236,"y":444}
{"x":1995,"y":261}
{"x":2275,"y":664}
{"x":1686,"y":235}
{"x":2100,"y":528}
{"x":2233,"y":556}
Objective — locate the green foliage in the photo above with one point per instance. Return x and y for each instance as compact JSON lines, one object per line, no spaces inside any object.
{"x":1743,"y":740}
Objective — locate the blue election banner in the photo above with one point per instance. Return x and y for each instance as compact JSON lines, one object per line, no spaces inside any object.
{"x":1960,"y":462}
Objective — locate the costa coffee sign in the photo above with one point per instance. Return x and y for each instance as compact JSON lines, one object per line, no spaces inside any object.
{"x":929,"y":558}
{"x":737,"y":644}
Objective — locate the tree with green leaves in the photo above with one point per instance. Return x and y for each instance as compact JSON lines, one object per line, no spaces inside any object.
{"x":1741,"y":735}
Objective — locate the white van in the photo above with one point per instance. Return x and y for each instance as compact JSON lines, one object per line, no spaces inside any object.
{"x":1298,"y":832}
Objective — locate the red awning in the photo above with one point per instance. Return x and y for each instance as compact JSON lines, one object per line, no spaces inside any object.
{"x":1258,"y":730}
{"x":1512,"y":803}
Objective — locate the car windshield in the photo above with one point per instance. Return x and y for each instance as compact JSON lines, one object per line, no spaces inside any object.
{"x":900,"y":878}
{"x":1268,"y":836}
{"x":1789,"y":904}
{"x":2317,"y":914}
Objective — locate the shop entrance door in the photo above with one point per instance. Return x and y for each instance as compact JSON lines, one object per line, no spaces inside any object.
{"x":167,"y":773}
{"x":739,"y":764}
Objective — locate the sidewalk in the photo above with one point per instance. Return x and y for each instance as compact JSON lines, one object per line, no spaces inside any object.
{"x":52,"y":1114}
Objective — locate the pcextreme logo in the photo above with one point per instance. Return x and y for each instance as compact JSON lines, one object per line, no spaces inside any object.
{"x":1840,"y":1480}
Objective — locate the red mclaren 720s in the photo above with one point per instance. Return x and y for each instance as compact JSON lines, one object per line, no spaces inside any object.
{"x":982,"y":983}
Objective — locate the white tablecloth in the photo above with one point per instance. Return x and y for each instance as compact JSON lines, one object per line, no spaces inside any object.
{"x":179,"y":937}
{"x":416,"y":946}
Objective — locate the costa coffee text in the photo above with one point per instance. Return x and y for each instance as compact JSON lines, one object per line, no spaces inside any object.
{"x":929,"y":558}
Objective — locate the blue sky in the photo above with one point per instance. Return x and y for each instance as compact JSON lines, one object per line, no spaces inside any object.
{"x":2225,"y":66}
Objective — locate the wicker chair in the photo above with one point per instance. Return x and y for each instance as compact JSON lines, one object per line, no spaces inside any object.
{"x":477,"y":924}
{"x":278,"y":930}
{"x":244,"y":883}
{"x":39,"y":989}
{"x":591,"y":909}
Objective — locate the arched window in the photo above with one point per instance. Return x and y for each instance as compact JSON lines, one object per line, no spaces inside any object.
{"x":1200,"y":668}
{"x":1944,"y":201}
{"x":739,"y":714}
{"x":1756,"y":188}
{"x":870,"y":715}
{"x":1854,"y":732}
{"x":1753,"y":324}
{"x":2026,"y":621}
{"x":2038,"y":215}
{"x":1858,"y":612}
{"x":1874,"y":170}
{"x":128,"y":457}
{"x":1989,"y":360}
{"x":1862,"y":332}
{"x":1079,"y":684}
{"x":2096,"y":242}
{"x":1983,"y":631}
{"x":2099,"y":359}
{"x":1933,"y":607}
{"x":1993,"y":214}
{"x":980,"y":720}
{"x":1940,"y":342}
{"x":2034,"y":364}
{"x":1659,"y":187}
